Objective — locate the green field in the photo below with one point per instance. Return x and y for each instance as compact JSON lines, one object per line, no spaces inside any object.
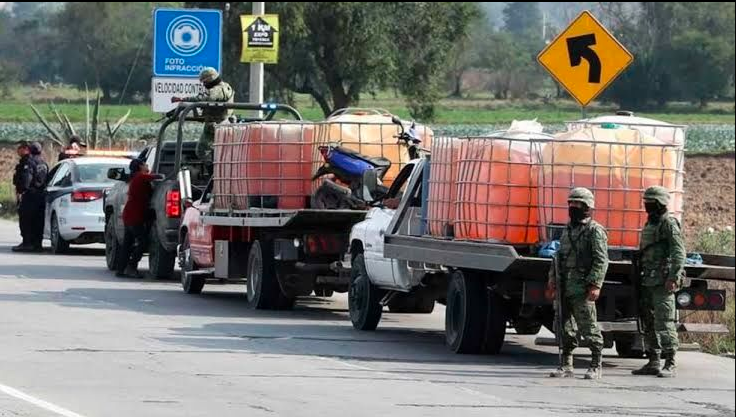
{"x":479,"y":109}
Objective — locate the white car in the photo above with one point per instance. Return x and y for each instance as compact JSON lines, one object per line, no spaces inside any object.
{"x":74,"y":213}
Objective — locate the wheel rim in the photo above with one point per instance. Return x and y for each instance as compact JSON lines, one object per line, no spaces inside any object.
{"x":254,"y":275}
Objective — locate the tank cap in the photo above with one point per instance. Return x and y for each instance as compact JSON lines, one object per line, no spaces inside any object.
{"x":624,"y":113}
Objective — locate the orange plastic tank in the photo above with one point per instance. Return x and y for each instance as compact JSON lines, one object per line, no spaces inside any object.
{"x":370,"y":134}
{"x":263,"y":165}
{"x":442,"y":199}
{"x":617,"y":165}
{"x":497,"y":188}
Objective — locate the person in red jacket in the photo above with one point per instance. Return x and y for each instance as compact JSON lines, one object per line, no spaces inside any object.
{"x":135,"y":219}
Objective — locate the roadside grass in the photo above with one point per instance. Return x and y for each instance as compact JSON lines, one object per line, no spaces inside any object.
{"x":720,"y":242}
{"x":8,"y":208}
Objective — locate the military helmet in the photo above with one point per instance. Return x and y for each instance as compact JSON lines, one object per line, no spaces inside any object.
{"x":582,"y":195}
{"x":208,"y":75}
{"x":658,"y":194}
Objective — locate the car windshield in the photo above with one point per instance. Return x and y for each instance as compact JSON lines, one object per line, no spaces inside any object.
{"x":97,"y":172}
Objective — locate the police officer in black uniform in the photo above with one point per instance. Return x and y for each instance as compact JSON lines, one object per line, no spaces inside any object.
{"x":30,"y":182}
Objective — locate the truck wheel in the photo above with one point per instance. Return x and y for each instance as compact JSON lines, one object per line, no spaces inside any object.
{"x":262,"y":285}
{"x":160,"y":261}
{"x":113,"y":251}
{"x":364,"y":298}
{"x":626,"y":346}
{"x":495,"y":325}
{"x":192,"y":284}
{"x":58,"y":244}
{"x":466,"y":313}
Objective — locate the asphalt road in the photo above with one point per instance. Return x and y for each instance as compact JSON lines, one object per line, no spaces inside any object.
{"x":76,"y":341}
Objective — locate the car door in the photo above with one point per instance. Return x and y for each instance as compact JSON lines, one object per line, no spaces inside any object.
{"x":200,"y":235}
{"x":378,"y":267}
{"x":57,"y":191}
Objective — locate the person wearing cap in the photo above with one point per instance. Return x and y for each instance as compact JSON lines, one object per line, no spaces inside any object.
{"x":135,"y":219}
{"x":662,"y":254}
{"x":74,"y":148}
{"x":583,"y":263}
{"x":30,"y":183}
{"x":216,"y":90}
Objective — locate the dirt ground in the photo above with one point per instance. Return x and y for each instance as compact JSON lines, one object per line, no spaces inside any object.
{"x":710,"y":185}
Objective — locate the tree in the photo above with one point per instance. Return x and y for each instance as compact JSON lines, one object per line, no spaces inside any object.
{"x":523,"y":19}
{"x":101,"y":41}
{"x":336,"y":51}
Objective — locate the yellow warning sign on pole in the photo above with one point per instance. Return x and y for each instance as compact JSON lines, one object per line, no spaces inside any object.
{"x":585,"y":58}
{"x":260,"y":38}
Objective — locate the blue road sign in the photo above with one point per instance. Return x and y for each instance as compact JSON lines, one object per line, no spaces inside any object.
{"x":185,"y":41}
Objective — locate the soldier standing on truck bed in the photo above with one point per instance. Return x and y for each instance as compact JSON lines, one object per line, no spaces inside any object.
{"x":662,"y":254}
{"x":583,"y":263}
{"x":215,"y":90}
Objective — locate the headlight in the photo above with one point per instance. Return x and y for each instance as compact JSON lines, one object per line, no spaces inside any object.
{"x":684,"y":299}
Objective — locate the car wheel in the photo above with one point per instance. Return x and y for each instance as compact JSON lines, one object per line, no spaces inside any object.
{"x":192,"y":284}
{"x":58,"y":244}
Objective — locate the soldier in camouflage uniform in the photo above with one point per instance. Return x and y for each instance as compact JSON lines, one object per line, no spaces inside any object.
{"x":662,"y":263}
{"x":216,"y":90}
{"x":583,"y":263}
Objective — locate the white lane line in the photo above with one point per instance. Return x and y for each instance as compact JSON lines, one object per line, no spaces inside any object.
{"x":38,"y":402}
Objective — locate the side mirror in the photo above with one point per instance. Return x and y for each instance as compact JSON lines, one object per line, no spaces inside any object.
{"x":185,"y":184}
{"x":370,"y":185}
{"x":117,"y":174}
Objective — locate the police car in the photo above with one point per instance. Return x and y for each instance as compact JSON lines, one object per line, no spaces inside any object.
{"x":74,"y":191}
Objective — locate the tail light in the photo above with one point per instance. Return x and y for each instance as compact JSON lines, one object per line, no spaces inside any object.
{"x":86,"y":196}
{"x":700,"y":299}
{"x":173,"y":204}
{"x":323,"y":244}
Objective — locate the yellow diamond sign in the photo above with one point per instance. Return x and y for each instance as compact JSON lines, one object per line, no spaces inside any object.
{"x":585,"y":58}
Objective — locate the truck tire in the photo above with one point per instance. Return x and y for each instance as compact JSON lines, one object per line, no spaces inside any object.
{"x":160,"y":261}
{"x":364,"y":298}
{"x":262,"y":287}
{"x":58,"y":244}
{"x":495,"y":332}
{"x":625,"y":346}
{"x":113,"y":251}
{"x":191,"y":284}
{"x":466,"y":313}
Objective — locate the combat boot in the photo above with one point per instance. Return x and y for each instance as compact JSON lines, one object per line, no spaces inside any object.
{"x":566,"y":369}
{"x":651,"y":367}
{"x":595,"y":371}
{"x":670,"y":366}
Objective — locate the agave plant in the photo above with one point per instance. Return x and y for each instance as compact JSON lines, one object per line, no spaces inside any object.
{"x":91,"y":130}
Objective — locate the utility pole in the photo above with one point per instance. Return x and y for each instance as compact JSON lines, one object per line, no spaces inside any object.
{"x":256,"y":68}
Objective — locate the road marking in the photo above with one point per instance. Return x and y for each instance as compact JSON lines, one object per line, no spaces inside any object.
{"x":38,"y":402}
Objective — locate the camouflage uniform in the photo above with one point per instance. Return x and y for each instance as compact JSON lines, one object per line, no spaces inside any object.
{"x":662,"y":259}
{"x":219,"y":92}
{"x":583,"y":262}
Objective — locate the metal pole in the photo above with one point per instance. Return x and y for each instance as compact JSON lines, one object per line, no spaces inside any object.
{"x":256,"y":68}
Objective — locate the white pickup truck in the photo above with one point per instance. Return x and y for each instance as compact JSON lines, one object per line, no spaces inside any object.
{"x":488,"y":286}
